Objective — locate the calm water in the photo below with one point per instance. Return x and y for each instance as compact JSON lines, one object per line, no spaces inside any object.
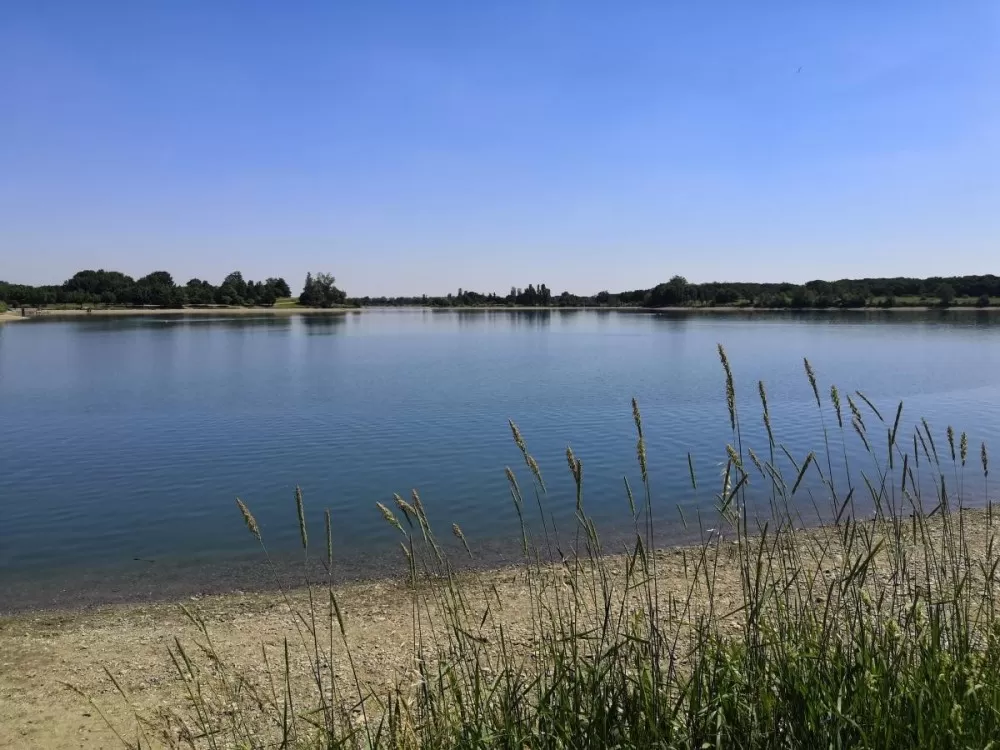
{"x":129,"y":438}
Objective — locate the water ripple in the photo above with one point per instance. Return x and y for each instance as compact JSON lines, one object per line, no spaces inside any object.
{"x":122,"y":439}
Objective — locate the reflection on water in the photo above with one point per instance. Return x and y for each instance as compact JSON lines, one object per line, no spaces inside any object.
{"x":966,"y":318}
{"x":323,"y":324}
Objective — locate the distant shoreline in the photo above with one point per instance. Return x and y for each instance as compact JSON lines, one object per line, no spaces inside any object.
{"x":194,"y":311}
{"x":13,"y":315}
{"x":692,"y":309}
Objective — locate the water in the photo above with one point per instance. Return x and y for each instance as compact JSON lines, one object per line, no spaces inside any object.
{"x":124,"y":441}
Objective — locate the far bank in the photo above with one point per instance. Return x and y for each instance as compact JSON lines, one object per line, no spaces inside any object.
{"x":50,"y":313}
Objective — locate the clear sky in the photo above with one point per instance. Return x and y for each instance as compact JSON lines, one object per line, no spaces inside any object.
{"x":424,"y":146}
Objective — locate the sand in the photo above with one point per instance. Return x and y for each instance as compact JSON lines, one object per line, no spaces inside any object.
{"x":41,"y":651}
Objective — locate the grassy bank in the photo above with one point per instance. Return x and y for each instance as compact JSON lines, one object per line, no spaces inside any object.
{"x":878,"y":630}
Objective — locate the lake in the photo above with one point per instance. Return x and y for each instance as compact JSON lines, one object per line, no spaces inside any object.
{"x":124,"y":441}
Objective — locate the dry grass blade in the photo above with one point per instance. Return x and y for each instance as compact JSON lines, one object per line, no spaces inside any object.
{"x":329,"y":540}
{"x":457,"y":531}
{"x":300,"y":510}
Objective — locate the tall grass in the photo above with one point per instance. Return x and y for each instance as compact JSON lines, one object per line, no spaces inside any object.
{"x":878,"y":630}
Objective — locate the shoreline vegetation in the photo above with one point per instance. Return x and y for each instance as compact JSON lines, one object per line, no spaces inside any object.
{"x":44,"y":651}
{"x":292,"y":309}
{"x":112,"y":290}
{"x":878,"y":630}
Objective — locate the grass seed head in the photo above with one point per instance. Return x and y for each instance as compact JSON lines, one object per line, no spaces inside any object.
{"x":409,"y":512}
{"x":636,"y":416}
{"x":812,"y":379}
{"x":835,"y":397}
{"x":730,"y":388}
{"x":248,"y":519}
{"x":533,"y":465}
{"x":390,"y":518}
{"x":518,"y":440}
{"x":300,"y":510}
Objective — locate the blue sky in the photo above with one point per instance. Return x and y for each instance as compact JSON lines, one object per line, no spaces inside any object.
{"x":424,"y":146}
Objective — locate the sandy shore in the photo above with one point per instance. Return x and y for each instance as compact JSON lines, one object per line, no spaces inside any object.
{"x":42,"y":651}
{"x":217,"y":311}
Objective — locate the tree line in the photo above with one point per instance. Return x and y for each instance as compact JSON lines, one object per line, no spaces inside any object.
{"x":319,"y":290}
{"x":679,"y":292}
{"x":158,"y":289}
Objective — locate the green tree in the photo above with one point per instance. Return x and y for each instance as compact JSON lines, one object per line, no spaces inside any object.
{"x":227,"y":295}
{"x":679,"y":288}
{"x":236,"y":282}
{"x":252,"y":293}
{"x":158,"y":289}
{"x":321,"y":291}
{"x":200,"y":292}
{"x":308,"y":295}
{"x":725,"y":296}
{"x":157,"y":278}
{"x":946,"y":293}
{"x":674,"y":292}
{"x":280,"y":287}
{"x":267,"y":296}
{"x":802,"y":297}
